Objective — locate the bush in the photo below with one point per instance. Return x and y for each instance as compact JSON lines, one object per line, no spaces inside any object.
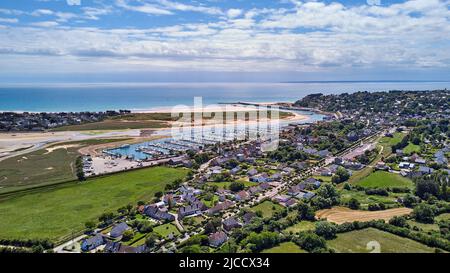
{"x":424,"y":213}
{"x":311,"y":242}
{"x":354,"y":204}
{"x":326,"y":229}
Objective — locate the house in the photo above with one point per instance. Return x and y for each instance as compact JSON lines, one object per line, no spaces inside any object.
{"x":117,"y":247}
{"x":264,"y":186}
{"x":423,"y":170}
{"x":312,"y":181}
{"x":230,"y":223}
{"x":275,"y":176}
{"x":118,"y":230}
{"x":242,"y":196}
{"x":290,"y":203}
{"x":248,"y":216}
{"x":420,"y":160}
{"x":220,"y":207}
{"x":381,"y":166}
{"x":305,"y":195}
{"x":406,"y":165}
{"x":260,"y":178}
{"x":157,"y":214}
{"x":252,"y":172}
{"x":217,"y":239}
{"x":195,"y":208}
{"x":323,"y":153}
{"x":294,"y":190}
{"x":281,"y":198}
{"x":93,"y":242}
{"x":235,"y":170}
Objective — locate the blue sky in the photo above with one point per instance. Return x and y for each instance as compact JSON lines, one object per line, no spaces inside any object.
{"x":223,"y":40}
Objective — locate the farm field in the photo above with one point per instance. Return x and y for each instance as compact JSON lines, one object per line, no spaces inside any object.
{"x":423,"y":226}
{"x":356,"y":242}
{"x":381,"y":179}
{"x":301,"y":226}
{"x":56,"y":213}
{"x":50,"y":165}
{"x":166,"y":229}
{"x":340,"y":215}
{"x":267,"y":208}
{"x":441,"y":217}
{"x":286,"y":247}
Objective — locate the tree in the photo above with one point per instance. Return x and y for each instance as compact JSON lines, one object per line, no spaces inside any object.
{"x":90,"y":225}
{"x":106,"y":217}
{"x":311,"y":242}
{"x":305,"y":212}
{"x":150,"y":240}
{"x":326,"y":229}
{"x":399,"y":221}
{"x":236,"y":186}
{"x":128,"y":235}
{"x":340,"y":176}
{"x":327,"y":196}
{"x":426,"y":187}
{"x":354,"y":204}
{"x":158,"y":194}
{"x":424,"y":213}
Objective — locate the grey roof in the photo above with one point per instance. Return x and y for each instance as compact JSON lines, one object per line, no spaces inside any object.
{"x":119,"y":229}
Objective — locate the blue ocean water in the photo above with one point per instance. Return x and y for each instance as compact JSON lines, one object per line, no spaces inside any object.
{"x":100,"y":97}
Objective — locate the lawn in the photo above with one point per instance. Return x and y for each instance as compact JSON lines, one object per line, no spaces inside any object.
{"x":301,"y":226}
{"x":55,"y":213}
{"x":43,"y":167}
{"x":411,"y":149}
{"x":388,"y":142}
{"x":267,"y":208}
{"x":113,"y":125}
{"x":166,"y":229}
{"x":323,"y":178}
{"x":381,"y":179}
{"x":357,"y":242}
{"x":286,"y":247}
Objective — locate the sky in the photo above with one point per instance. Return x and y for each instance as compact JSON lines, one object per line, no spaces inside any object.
{"x":223,"y":40}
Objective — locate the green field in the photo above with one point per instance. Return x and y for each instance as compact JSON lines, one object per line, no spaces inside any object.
{"x":267,"y":208}
{"x":113,"y":125}
{"x":356,"y":242}
{"x":286,"y":247}
{"x":424,"y":227}
{"x":55,"y":213}
{"x":411,"y":149}
{"x":442,"y":217}
{"x":166,"y":229}
{"x":365,"y":199}
{"x":381,"y":179}
{"x":388,"y":142}
{"x":42,"y":167}
{"x":301,"y":226}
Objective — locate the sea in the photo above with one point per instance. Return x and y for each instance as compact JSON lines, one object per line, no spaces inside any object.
{"x":153,"y":96}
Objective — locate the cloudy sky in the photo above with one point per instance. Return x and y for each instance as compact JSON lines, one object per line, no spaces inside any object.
{"x":224,"y":40}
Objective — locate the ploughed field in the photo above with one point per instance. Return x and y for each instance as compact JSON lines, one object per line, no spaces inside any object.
{"x":56,"y":213}
{"x":340,"y":215}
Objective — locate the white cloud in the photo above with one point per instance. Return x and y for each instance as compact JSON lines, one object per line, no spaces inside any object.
{"x":45,"y":24}
{"x":9,"y":20}
{"x":233,"y":13}
{"x":144,"y":8}
{"x":312,"y":36}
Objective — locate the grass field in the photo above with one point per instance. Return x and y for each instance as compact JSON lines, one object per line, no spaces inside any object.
{"x":442,"y":217}
{"x":411,"y":149}
{"x":356,"y":242}
{"x":424,"y":227}
{"x":267,"y":208}
{"x":323,"y":178}
{"x":56,"y":213}
{"x":286,"y":247}
{"x":388,"y":142}
{"x":365,"y":199}
{"x":166,"y":229}
{"x":381,"y":179}
{"x":43,"y":167}
{"x":114,"y":125}
{"x":301,"y":226}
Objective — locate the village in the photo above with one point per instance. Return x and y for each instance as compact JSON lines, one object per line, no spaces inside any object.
{"x":234,"y":185}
